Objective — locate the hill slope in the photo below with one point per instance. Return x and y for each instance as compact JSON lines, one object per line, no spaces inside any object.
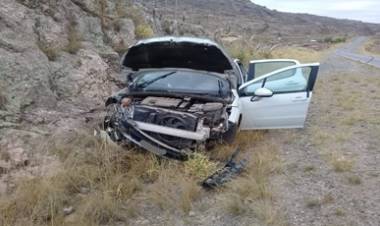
{"x":244,"y":18}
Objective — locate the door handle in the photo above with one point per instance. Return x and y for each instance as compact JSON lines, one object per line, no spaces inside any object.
{"x":299,"y":99}
{"x":255,"y":99}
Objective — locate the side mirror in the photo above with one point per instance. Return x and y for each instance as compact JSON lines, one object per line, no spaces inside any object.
{"x":263,"y":92}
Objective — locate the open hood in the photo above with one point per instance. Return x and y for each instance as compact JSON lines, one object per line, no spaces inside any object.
{"x":171,"y":52}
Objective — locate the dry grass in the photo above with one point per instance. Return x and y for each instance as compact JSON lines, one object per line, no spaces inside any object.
{"x":302,"y":54}
{"x":372,"y":46}
{"x":339,"y":212}
{"x":96,"y":179}
{"x":3,"y":99}
{"x":269,"y":215}
{"x":50,"y":51}
{"x":309,"y":168}
{"x":74,"y":39}
{"x":354,"y":179}
{"x":319,"y":201}
{"x":173,"y":190}
{"x":199,"y":166}
{"x":143,"y":31}
{"x":340,"y":162}
{"x":252,"y":193}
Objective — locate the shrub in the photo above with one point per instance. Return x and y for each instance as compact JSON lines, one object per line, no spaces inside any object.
{"x":143,"y":31}
{"x":73,"y":39}
{"x":50,"y":51}
{"x":337,"y":40}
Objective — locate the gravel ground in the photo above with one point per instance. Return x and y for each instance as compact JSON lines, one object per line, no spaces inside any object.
{"x":310,"y":190}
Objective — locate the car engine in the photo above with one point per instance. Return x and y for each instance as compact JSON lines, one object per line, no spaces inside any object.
{"x":180,"y":113}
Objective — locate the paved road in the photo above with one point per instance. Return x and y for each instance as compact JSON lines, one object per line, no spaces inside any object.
{"x":350,"y":51}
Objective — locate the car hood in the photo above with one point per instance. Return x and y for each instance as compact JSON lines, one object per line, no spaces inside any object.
{"x":172,"y":52}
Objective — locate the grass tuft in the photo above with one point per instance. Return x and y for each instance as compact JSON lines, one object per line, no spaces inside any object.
{"x":3,"y":100}
{"x":200,"y":166}
{"x":143,"y":31}
{"x":354,"y":180}
{"x":50,"y":51}
{"x":74,"y":42}
{"x":341,"y":163}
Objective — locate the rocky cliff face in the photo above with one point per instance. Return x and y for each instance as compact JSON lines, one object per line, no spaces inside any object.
{"x":57,"y":63}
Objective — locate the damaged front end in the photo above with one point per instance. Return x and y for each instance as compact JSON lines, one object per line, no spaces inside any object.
{"x":177,"y":98}
{"x":170,"y":127}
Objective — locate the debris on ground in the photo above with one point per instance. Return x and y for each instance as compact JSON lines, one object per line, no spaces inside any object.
{"x":230,"y":170}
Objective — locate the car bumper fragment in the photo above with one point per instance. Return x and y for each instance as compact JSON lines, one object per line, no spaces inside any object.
{"x":230,"y":170}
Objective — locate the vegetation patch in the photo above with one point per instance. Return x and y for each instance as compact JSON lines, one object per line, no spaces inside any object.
{"x":50,"y":51}
{"x":143,"y":31}
{"x":74,"y":39}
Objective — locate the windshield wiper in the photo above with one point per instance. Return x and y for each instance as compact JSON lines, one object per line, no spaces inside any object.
{"x":147,"y":83}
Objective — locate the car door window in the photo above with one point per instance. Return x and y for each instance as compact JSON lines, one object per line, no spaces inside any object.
{"x":291,"y":80}
{"x":259,"y":68}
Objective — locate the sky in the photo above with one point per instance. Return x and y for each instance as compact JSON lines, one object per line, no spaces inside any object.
{"x":364,"y":10}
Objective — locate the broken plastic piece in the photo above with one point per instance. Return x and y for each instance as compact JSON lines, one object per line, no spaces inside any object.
{"x":225,"y":174}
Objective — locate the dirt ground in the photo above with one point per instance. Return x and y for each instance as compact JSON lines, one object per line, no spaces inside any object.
{"x":331,"y":168}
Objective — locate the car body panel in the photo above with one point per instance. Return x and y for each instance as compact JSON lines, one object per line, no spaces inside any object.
{"x":285,"y":109}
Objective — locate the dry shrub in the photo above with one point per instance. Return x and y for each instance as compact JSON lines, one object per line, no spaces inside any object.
{"x":340,"y":162}
{"x":50,"y":51}
{"x":74,"y":42}
{"x":354,"y":180}
{"x":200,"y":166}
{"x":143,"y":31}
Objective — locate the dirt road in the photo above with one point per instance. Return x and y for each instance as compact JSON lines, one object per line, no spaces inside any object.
{"x":350,"y":51}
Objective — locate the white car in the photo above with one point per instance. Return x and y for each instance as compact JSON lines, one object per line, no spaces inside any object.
{"x":185,"y":93}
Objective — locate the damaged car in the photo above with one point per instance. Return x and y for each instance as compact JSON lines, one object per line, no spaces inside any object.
{"x":184,"y":94}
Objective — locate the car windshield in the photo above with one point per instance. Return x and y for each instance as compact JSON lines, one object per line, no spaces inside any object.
{"x":181,"y":81}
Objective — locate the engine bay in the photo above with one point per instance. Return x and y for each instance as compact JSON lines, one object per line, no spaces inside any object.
{"x":185,"y":114}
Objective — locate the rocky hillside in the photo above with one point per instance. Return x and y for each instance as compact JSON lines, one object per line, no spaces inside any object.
{"x":244,"y":19}
{"x":59,"y":59}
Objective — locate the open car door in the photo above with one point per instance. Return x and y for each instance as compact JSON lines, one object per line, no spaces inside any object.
{"x":259,"y":68}
{"x":279,"y":99}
